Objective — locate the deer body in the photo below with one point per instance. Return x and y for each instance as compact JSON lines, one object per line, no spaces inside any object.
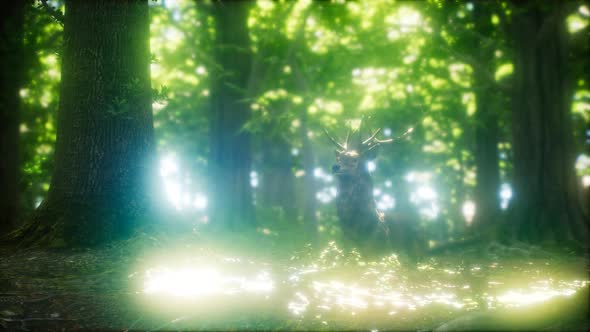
{"x":360,"y":221}
{"x":362,"y":224}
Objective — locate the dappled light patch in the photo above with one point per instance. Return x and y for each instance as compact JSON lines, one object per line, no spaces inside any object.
{"x":338,"y":286}
{"x":196,"y":283}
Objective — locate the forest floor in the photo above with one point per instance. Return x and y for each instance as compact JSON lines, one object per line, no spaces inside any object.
{"x":198,"y":282}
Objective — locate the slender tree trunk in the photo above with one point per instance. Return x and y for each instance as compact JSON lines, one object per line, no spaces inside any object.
{"x":105,"y":141}
{"x":278,"y":182}
{"x":404,"y":219}
{"x":309,"y":184}
{"x":230,"y":155}
{"x":486,"y":122}
{"x":11,"y":58}
{"x":546,"y":206}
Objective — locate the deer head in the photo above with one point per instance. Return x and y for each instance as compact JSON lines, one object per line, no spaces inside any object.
{"x":352,"y":155}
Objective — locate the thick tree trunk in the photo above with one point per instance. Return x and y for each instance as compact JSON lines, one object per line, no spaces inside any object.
{"x":11,"y":57}
{"x":546,"y":206}
{"x":230,"y":156}
{"x":486,"y":122}
{"x":105,"y":140}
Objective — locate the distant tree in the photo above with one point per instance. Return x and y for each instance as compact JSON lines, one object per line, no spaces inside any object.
{"x":546,"y":206}
{"x":487,"y":117}
{"x":99,"y":189}
{"x":230,"y":155}
{"x":11,"y":60}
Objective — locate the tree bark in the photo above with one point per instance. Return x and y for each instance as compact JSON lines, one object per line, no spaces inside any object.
{"x":309,"y":183}
{"x":100,"y":188}
{"x":230,"y":155}
{"x":486,"y":122}
{"x":546,"y":206}
{"x":278,"y":182}
{"x":11,"y":60}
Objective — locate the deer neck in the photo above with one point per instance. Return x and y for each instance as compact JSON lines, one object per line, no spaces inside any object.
{"x":355,"y":203}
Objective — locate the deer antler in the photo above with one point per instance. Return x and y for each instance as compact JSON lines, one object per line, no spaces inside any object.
{"x":333,"y":140}
{"x":406,"y":133}
{"x":368,"y":140}
{"x":373,"y":142}
{"x":348,"y":138}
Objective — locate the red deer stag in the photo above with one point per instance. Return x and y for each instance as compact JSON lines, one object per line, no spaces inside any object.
{"x":362,"y":224}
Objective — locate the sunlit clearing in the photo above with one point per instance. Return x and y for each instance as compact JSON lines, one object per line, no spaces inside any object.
{"x":468,"y":211}
{"x":194,"y":283}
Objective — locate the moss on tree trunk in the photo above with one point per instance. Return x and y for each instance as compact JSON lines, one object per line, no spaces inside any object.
{"x":105,"y":142}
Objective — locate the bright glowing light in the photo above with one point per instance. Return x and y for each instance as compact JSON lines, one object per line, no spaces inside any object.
{"x":387,"y":132}
{"x":426,"y":193}
{"x":201,"y":70}
{"x":582,"y":162}
{"x":177,"y":187}
{"x":415,"y":176}
{"x":326,"y":195}
{"x":521,"y":298}
{"x":318,"y":172}
{"x":173,"y":193}
{"x":254,"y":182}
{"x":200,"y":202}
{"x":254,"y":179}
{"x":505,"y":195}
{"x":333,"y":191}
{"x":371,"y":166}
{"x":168,"y":166}
{"x":294,"y":152}
{"x":299,"y":305}
{"x":468,"y":211}
{"x":388,"y":184}
{"x":586,"y":181}
{"x":386,"y":202}
{"x":191,"y":282}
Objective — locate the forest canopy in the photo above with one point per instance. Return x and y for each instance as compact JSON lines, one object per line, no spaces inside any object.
{"x":447,"y":70}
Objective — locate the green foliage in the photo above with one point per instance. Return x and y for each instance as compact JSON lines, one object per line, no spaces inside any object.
{"x":319,"y":65}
